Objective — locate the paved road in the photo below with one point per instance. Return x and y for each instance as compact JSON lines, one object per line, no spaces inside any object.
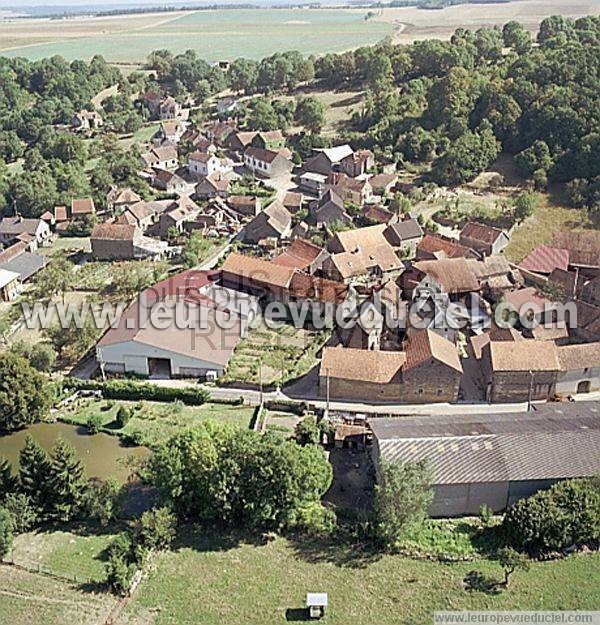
{"x":253,"y":398}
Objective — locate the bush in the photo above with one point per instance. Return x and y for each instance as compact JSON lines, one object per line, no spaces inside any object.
{"x":6,"y":531}
{"x":125,"y":556}
{"x":313,"y":519}
{"x":123,"y":416}
{"x":156,"y":529}
{"x":307,"y":432}
{"x":567,"y":514}
{"x":94,"y":424}
{"x":102,"y":500}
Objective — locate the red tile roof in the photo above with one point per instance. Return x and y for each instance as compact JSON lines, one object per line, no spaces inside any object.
{"x":300,"y":254}
{"x":544,"y":259}
{"x":432,"y":245}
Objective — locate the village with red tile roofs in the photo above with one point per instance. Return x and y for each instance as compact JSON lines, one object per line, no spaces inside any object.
{"x":240,"y":272}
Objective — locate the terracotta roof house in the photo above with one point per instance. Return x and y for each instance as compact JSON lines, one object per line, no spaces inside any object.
{"x":302,"y":255}
{"x":429,"y":370}
{"x":169,"y":108}
{"x":492,"y":459}
{"x":328,"y":209}
{"x":215,"y":185}
{"x":203,"y":349}
{"x":268,"y":140}
{"x":247,"y":205}
{"x":495,"y":275}
{"x":257,"y":276}
{"x":218,"y":131}
{"x":484,"y":239}
{"x":358,"y":163}
{"x":170,"y":132}
{"x":377,"y":214}
{"x":588,"y":321}
{"x":81,"y":207}
{"x":267,"y":163}
{"x":580,"y":369}
{"x":383,"y":184}
{"x":434,"y":247}
{"x":275,"y":221}
{"x":406,"y":234}
{"x":119,"y":199}
{"x":454,"y":275}
{"x":201,"y":164}
{"x":325,"y":160}
{"x":520,"y":370}
{"x":181,"y":211}
{"x":583,"y":247}
{"x":292,"y":201}
{"x":317,"y":291}
{"x":13,"y":227}
{"x":590,"y":292}
{"x":355,"y":190}
{"x":112,"y":241}
{"x":164,"y":157}
{"x":240,"y":140}
{"x":140,"y":214}
{"x":350,"y":240}
{"x":376,"y":262}
{"x":545,"y":259}
{"x":169,"y":181}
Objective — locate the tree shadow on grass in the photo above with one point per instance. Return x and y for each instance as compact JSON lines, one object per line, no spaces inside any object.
{"x":206,"y":539}
{"x":475,"y":581}
{"x":335,"y":550}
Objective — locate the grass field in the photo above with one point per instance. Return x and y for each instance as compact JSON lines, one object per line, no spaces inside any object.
{"x":28,"y":598}
{"x":153,"y":422}
{"x":213,"y":35}
{"x":220,"y":580}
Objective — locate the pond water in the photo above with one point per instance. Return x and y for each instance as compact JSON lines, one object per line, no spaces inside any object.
{"x":101,"y":454}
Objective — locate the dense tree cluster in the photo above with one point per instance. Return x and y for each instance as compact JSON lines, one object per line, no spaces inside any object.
{"x":457,"y":103}
{"x":240,"y":478}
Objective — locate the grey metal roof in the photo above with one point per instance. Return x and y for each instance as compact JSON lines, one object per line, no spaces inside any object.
{"x":556,"y":441}
{"x":26,"y":265}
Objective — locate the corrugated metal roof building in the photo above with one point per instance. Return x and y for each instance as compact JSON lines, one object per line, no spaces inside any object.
{"x":494,"y":459}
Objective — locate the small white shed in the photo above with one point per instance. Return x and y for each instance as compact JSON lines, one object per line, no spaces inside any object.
{"x":316,"y":602}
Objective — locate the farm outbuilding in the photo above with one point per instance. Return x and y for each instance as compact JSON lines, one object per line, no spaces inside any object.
{"x":494,"y":459}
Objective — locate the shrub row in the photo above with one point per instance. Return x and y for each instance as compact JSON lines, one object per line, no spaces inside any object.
{"x":135,"y":391}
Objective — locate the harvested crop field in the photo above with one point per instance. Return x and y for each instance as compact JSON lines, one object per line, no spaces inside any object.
{"x":255,"y":33}
{"x":214,"y":35}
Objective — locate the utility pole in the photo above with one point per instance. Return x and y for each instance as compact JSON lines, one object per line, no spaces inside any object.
{"x":327,"y":395}
{"x":529,"y":397}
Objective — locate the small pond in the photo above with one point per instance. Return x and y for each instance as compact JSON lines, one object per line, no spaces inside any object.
{"x":101,"y":454}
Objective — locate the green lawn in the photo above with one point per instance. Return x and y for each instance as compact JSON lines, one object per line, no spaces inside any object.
{"x":551,"y":217}
{"x":153,"y":422}
{"x":67,"y":552}
{"x":28,"y":598}
{"x":219,"y":580}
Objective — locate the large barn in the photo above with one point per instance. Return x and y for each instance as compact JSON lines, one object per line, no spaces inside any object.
{"x":494,"y":459}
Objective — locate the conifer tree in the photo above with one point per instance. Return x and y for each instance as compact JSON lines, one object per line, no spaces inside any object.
{"x":34,"y":474}
{"x":8,"y":482}
{"x":67,"y":482}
